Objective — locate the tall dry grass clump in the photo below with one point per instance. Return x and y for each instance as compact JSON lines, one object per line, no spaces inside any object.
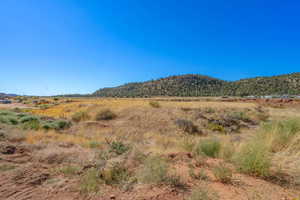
{"x":283,"y":141}
{"x":254,"y":158}
{"x":80,"y":116}
{"x":278,"y":135}
{"x":275,"y":139}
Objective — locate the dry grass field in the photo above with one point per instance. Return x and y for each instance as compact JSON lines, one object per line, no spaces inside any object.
{"x":107,"y":148}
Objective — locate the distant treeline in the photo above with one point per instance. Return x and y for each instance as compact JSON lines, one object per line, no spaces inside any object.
{"x":192,"y":85}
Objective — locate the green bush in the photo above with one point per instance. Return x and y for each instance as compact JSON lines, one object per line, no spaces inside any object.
{"x":94,"y":144}
{"x":13,"y":120}
{"x":216,"y":127}
{"x":56,"y":124}
{"x":254,"y":159}
{"x":154,"y":170}
{"x":48,"y":125}
{"x":105,"y":115}
{"x":8,"y":117}
{"x":209,"y":110}
{"x":118,"y":147}
{"x":62,"y":124}
{"x":115,"y":175}
{"x":28,"y":118}
{"x":32,"y":125}
{"x":80,"y":116}
{"x":4,"y":120}
{"x":154,"y":104}
{"x":223,"y":173}
{"x":20,"y":115}
{"x":6,"y":113}
{"x":209,"y":147}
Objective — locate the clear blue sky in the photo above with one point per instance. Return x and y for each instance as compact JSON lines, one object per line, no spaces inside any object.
{"x":77,"y":46}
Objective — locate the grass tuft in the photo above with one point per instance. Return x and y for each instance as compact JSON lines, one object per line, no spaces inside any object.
{"x":154,"y":170}
{"x":90,"y":182}
{"x":254,"y":159}
{"x":209,"y":147}
{"x":223,"y":173}
{"x":154,"y":104}
{"x":80,"y":116}
{"x":106,"y":114}
{"x":203,"y":193}
{"x":187,"y":126}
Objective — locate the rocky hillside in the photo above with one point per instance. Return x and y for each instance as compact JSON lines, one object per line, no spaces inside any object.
{"x":198,"y":85}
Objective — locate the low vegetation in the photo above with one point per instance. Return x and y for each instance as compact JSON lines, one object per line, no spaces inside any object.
{"x":118,"y":147}
{"x":254,"y":159}
{"x":32,"y":122}
{"x":115,"y":174}
{"x":80,"y":116}
{"x":154,"y":104}
{"x":209,"y":147}
{"x":69,"y":170}
{"x":184,"y":150}
{"x":203,"y":193}
{"x":201,"y":175}
{"x":187,"y":126}
{"x":223,"y":173}
{"x":90,"y":182}
{"x":106,"y":114}
{"x":154,"y":170}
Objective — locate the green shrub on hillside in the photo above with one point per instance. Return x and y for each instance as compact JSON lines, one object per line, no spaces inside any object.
{"x":198,"y":85}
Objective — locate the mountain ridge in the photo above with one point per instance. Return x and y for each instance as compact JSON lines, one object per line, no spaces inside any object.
{"x":201,"y":85}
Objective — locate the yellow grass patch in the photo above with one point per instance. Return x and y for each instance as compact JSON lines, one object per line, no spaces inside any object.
{"x":51,"y":136}
{"x":66,"y":110}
